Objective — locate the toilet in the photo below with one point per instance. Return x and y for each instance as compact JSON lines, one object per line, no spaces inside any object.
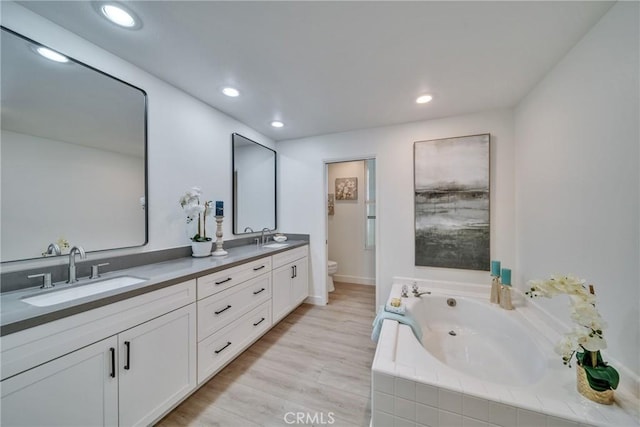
{"x":332,"y":268}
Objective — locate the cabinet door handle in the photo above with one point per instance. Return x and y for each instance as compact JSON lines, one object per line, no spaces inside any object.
{"x":218,"y":351}
{"x":259,"y":268}
{"x":127,"y":366}
{"x":113,"y":362}
{"x":223,"y":281}
{"x":258,"y":322}
{"x":292,"y":273}
{"x":261,"y":290}
{"x":295,"y":271}
{"x":223,"y":310}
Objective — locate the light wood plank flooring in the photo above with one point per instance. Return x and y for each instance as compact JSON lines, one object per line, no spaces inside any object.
{"x":317,"y":360}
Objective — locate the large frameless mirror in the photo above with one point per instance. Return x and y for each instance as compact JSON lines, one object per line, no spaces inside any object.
{"x":254,"y":186}
{"x":73,"y":154}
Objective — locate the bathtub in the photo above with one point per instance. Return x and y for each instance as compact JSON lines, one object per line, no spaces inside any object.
{"x":479,"y":365}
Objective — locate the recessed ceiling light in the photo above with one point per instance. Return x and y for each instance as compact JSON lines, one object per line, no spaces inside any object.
{"x":51,"y":55}
{"x":424,"y":99}
{"x":277,"y":124}
{"x":119,"y":15}
{"x":229,"y":91}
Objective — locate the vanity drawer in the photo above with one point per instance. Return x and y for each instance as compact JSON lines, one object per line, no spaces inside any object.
{"x":221,"y":347}
{"x":284,"y":258}
{"x":221,"y":280}
{"x":223,"y":308}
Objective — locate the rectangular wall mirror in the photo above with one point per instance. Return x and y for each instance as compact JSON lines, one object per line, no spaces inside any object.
{"x":73,"y":154}
{"x":254,"y":186}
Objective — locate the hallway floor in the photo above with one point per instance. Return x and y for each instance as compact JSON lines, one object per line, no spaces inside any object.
{"x":316,"y":361}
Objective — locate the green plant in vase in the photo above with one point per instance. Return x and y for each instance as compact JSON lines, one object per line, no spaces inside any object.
{"x":586,"y":339}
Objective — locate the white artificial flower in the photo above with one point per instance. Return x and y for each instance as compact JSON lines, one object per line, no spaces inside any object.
{"x":566,"y":346}
{"x":588,"y":334}
{"x":193,"y":210}
{"x":592,"y":342}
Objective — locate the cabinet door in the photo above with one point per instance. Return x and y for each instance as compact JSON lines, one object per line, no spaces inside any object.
{"x":78,"y":389}
{"x":300,"y":282}
{"x":157,"y":366}
{"x":281,"y":291}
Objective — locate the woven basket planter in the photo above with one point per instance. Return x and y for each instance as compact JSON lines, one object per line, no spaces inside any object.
{"x":603,"y":397}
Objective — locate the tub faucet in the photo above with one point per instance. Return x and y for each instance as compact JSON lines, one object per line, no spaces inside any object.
{"x":416,"y":291}
{"x":72,"y":262}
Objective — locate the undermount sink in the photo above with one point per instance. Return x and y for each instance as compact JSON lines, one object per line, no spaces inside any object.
{"x":80,"y":291}
{"x":275,"y":245}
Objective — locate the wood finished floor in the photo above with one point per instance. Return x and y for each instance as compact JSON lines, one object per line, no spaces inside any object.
{"x":316,"y":360}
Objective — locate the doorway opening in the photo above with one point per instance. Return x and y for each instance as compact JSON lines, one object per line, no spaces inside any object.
{"x":351,"y":223}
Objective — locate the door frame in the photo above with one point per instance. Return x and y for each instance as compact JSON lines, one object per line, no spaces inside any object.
{"x":325,"y":166}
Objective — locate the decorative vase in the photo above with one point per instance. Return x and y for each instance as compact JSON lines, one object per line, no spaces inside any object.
{"x":603,"y":397}
{"x":201,"y":249}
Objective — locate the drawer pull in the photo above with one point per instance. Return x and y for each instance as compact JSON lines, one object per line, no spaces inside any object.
{"x":259,"y":268}
{"x":223,"y":310}
{"x":218,"y":351}
{"x":223,"y":281}
{"x":258,"y":322}
{"x":113,"y":362}
{"x":261,"y":290}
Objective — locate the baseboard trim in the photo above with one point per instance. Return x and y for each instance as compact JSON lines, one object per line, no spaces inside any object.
{"x":354,"y":279}
{"x":315,"y":300}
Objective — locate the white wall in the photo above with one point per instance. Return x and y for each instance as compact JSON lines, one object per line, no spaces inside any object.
{"x":346,"y":228}
{"x":53,"y":189}
{"x":577,"y":179}
{"x":302,"y":199}
{"x":189,"y":143}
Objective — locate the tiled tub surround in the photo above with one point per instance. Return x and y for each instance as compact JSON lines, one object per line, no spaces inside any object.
{"x":16,"y":315}
{"x":414,"y":387}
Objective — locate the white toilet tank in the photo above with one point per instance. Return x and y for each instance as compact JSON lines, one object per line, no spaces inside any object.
{"x":332,"y":267}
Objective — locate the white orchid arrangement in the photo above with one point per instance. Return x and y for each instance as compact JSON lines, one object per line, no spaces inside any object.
{"x":587,"y":335}
{"x":190,"y":202}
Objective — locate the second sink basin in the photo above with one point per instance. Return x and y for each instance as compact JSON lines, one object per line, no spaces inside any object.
{"x":69,"y":294}
{"x":275,"y":245}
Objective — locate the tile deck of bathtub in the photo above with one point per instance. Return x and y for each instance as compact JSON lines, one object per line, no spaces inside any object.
{"x":399,"y":401}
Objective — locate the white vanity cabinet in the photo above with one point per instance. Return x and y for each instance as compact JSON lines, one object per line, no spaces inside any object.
{"x":157,"y":366}
{"x":79,"y":389}
{"x":144,"y":366}
{"x":130,"y":362}
{"x":290,"y":281}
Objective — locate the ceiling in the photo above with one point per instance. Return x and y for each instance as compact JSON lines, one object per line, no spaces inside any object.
{"x":325,"y":67}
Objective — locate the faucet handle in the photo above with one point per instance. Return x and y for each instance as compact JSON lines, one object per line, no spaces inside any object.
{"x":46,"y":280}
{"x":95,"y":273}
{"x":404,"y":292}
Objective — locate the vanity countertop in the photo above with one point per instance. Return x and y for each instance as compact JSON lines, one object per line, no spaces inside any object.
{"x":16,"y":315}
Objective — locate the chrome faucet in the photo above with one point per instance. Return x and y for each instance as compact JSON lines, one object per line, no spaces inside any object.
{"x":263,"y":237}
{"x":72,"y":262}
{"x":416,"y":291}
{"x":52,"y":249}
{"x":250,"y":230}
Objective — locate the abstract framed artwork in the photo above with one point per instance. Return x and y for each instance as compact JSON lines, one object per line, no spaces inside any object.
{"x":347,"y":188}
{"x":451,"y":202}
